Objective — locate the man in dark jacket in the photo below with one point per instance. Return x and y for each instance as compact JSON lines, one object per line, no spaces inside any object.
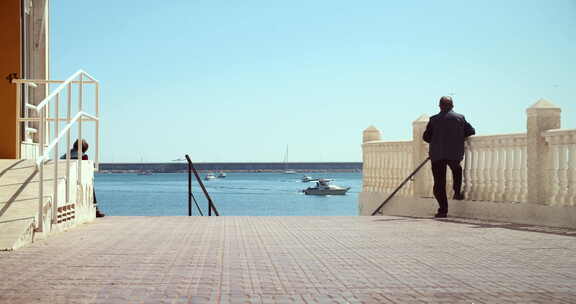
{"x":446,"y":132}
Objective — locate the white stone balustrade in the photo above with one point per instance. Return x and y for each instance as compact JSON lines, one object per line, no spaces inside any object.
{"x":495,"y":168}
{"x":561,"y":169}
{"x":536,"y":167}
{"x":386,"y":165}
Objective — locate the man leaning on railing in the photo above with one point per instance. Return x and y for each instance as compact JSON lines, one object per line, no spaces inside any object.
{"x":74,"y":155}
{"x":446,"y":132}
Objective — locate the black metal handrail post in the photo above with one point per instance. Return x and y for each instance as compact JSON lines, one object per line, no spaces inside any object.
{"x":189,"y":191}
{"x":211,"y":206}
{"x":400,"y":187}
{"x":191,"y":195}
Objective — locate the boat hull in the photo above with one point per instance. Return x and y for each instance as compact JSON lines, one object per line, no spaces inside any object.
{"x":326,"y":191}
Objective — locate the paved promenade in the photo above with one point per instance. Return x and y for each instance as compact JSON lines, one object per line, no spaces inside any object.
{"x":293,"y":260}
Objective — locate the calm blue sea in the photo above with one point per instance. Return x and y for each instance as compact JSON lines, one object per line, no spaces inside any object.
{"x":237,"y":194}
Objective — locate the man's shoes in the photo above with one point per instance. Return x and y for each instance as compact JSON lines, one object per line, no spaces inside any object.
{"x":99,"y":214}
{"x":458,"y":196}
{"x":441,"y":215}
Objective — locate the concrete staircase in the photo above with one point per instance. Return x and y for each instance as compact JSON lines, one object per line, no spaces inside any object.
{"x":18,"y":202}
{"x":19,"y":192}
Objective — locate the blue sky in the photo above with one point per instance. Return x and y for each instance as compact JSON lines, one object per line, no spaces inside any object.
{"x":240,"y":80}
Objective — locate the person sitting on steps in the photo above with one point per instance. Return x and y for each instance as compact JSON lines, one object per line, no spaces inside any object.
{"x":74,"y":155}
{"x":446,"y":133}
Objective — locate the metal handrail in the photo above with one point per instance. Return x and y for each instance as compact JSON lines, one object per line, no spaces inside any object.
{"x":79,"y":78}
{"x":61,"y":87}
{"x":211,"y":206}
{"x":64,"y":131}
{"x":400,"y":187}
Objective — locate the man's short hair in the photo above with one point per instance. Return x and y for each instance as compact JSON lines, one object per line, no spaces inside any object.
{"x":446,"y":103}
{"x":84,"y":145}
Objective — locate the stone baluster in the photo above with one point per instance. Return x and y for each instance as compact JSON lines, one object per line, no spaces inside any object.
{"x":508,"y":187}
{"x":488,"y":176}
{"x":367,"y":167}
{"x":374,"y":149}
{"x":516,"y":176}
{"x":393,"y":164}
{"x":470,"y":168}
{"x":406,"y":156}
{"x":366,"y":176}
{"x":502,"y":165}
{"x":421,"y":186}
{"x":572,"y":172}
{"x":494,"y":170}
{"x":542,"y":116}
{"x":553,"y":177}
{"x":524,"y":174}
{"x":483,"y":170}
{"x":562,"y":170}
{"x":382,"y":170}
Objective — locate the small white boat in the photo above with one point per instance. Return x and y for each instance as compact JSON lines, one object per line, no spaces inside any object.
{"x":289,"y":171}
{"x":306,"y":179}
{"x":222,"y":174}
{"x":209,"y":176}
{"x":323,"y":187}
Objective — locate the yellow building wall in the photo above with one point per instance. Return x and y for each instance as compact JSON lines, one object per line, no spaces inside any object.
{"x":9,"y":63}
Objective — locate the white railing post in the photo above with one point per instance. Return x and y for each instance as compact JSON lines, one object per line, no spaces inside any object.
{"x":80,"y":150}
{"x":68,"y":144}
{"x":56,"y":157}
{"x":97,"y":131}
{"x":41,"y":134}
{"x":18,"y":123}
{"x":542,"y":116}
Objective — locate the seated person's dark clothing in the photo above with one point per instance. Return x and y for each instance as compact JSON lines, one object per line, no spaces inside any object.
{"x":74,"y":155}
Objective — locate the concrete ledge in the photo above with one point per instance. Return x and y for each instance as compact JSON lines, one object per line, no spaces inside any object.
{"x":520,"y":213}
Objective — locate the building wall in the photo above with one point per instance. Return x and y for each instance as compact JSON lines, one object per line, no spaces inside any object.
{"x":9,"y":63}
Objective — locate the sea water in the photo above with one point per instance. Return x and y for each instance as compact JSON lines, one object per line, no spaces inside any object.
{"x":254,"y":194}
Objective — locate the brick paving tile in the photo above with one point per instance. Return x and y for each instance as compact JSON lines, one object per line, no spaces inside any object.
{"x":293,"y":260}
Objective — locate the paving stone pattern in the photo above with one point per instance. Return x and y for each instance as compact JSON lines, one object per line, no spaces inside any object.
{"x":292,"y":260}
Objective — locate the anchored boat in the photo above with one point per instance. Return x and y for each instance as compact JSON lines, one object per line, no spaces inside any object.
{"x":323,"y":187}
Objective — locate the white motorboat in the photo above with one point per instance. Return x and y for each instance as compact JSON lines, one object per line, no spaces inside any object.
{"x":209,"y":176}
{"x":307,"y":178}
{"x":222,"y":174}
{"x":323,"y":187}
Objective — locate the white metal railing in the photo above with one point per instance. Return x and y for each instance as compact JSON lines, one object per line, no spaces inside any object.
{"x":49,"y":136}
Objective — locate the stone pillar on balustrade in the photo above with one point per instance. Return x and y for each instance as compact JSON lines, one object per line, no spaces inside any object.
{"x":371,"y":134}
{"x":369,"y":171}
{"x":542,"y":116}
{"x":420,"y":153}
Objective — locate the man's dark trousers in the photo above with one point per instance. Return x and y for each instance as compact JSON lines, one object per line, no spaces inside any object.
{"x":439,"y":172}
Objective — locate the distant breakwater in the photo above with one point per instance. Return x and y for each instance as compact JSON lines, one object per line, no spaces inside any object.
{"x":176,"y":167}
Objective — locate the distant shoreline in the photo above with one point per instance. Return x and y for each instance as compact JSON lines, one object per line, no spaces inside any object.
{"x":180,"y":167}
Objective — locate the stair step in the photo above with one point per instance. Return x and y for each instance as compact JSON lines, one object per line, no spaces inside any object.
{"x":16,"y":233}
